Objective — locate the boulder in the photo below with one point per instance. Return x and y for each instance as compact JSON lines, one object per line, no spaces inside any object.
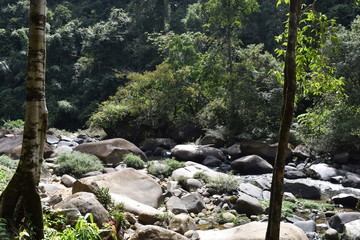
{"x":248,"y":205}
{"x":51,"y":139}
{"x":175,"y":205}
{"x":156,"y":233}
{"x":251,"y":190}
{"x":253,"y":231}
{"x":338,"y":221}
{"x":294,"y":174}
{"x":61,"y":150}
{"x":111,"y":151}
{"x":86,"y":203}
{"x":193,"y":202}
{"x":264,"y":150}
{"x":346,"y":200}
{"x":234,"y":151}
{"x":331,"y":234}
{"x":352,"y":230}
{"x":326,"y":172}
{"x":252,"y":164}
{"x":211,"y":161}
{"x":128,"y":182}
{"x":306,"y":226}
{"x":195,"y":153}
{"x":11,"y":146}
{"x":301,"y":152}
{"x":145,"y":213}
{"x":182,"y":223}
{"x":351,"y":180}
{"x":68,"y":180}
{"x":191,"y":168}
{"x":302,"y":190}
{"x":215,"y":140}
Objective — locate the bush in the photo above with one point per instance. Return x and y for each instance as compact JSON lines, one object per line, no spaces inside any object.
{"x":14,"y":125}
{"x":104,"y":197}
{"x":174,"y":164}
{"x":133,"y":161}
{"x":159,"y":169}
{"x":201,"y":176}
{"x":8,"y":162}
{"x":76,"y":164}
{"x":84,"y":229}
{"x":227,"y":184}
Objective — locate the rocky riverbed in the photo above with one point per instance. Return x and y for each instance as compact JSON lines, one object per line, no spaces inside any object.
{"x":198,"y":200}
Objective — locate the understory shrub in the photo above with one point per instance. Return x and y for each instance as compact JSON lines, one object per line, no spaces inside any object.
{"x":224,"y":184}
{"x":133,"y":161}
{"x":8,"y":162}
{"x":159,"y":169}
{"x":13,"y":125}
{"x":76,"y":164}
{"x":85,"y":229}
{"x":164,"y":168}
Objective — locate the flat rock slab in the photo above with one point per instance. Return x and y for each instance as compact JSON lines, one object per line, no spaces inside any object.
{"x":253,"y":231}
{"x":128,"y":182}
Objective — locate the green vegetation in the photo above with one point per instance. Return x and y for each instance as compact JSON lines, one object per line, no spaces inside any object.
{"x":8,"y":162}
{"x":224,"y":184}
{"x":293,"y":206}
{"x":211,"y":64}
{"x":201,"y":176}
{"x":164,"y":168}
{"x":13,"y":125}
{"x":104,"y":197}
{"x":160,"y":170}
{"x":133,"y":161}
{"x":76,"y":164}
{"x":83,"y":230}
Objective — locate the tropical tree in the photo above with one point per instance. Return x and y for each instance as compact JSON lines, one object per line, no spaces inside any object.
{"x":20,"y":200}
{"x":277,"y":186}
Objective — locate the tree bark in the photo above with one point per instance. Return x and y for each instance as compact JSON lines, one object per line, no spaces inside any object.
{"x":20,"y":200}
{"x":277,"y":186}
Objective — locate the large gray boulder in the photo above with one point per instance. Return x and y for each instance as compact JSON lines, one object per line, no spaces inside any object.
{"x":248,"y":205}
{"x":253,"y":231}
{"x":85,"y":202}
{"x":145,"y":213}
{"x":326,"y":172}
{"x":11,"y":146}
{"x":264,"y":150}
{"x":338,"y":221}
{"x":193,"y":202}
{"x":352,"y":230}
{"x":195,"y":153}
{"x":303,"y":190}
{"x":127,"y":182}
{"x":346,"y":200}
{"x":351,"y":180}
{"x":156,"y":233}
{"x":111,"y":151}
{"x":252,"y":164}
{"x":182,"y":223}
{"x":175,"y":205}
{"x":191,"y":168}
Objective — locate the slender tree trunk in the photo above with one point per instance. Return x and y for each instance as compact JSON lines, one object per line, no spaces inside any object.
{"x":277,"y":186}
{"x":20,"y":200}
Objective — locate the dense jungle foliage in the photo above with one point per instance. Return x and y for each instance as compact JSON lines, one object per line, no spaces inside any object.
{"x":159,"y":64}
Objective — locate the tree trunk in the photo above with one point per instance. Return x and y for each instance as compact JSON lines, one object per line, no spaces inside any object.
{"x":277,"y":186}
{"x":20,"y":200}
